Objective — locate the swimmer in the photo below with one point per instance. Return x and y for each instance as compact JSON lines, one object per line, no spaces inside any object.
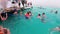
{"x":39,"y":16}
{"x":27,"y":15}
{"x":43,"y":14}
{"x":30,"y":13}
{"x":56,"y":12}
{"x":43,"y":17}
{"x":55,"y":29}
{"x":3,"y":16}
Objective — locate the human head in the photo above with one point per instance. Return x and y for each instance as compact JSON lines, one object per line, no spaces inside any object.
{"x":39,"y":15}
{"x":43,"y":13}
{"x":56,"y":11}
{"x":27,"y":12}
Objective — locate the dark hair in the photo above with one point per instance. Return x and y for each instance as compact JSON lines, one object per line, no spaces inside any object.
{"x":3,"y":14}
{"x":56,"y":11}
{"x":43,"y":13}
{"x":30,"y":3}
{"x":13,"y":2}
{"x":39,"y":14}
{"x":27,"y":12}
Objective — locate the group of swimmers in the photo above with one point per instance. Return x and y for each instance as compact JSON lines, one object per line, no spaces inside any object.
{"x":29,"y":14}
{"x":4,"y":30}
{"x":42,"y":17}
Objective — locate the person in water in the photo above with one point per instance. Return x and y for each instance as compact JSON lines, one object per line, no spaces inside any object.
{"x":4,"y":30}
{"x":56,"y":12}
{"x":3,"y":15}
{"x":55,"y":29}
{"x":30,"y":13}
{"x":27,"y":15}
{"x":39,"y":16}
{"x":43,"y":17}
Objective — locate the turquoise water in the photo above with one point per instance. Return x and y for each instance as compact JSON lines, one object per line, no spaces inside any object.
{"x":19,"y":25}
